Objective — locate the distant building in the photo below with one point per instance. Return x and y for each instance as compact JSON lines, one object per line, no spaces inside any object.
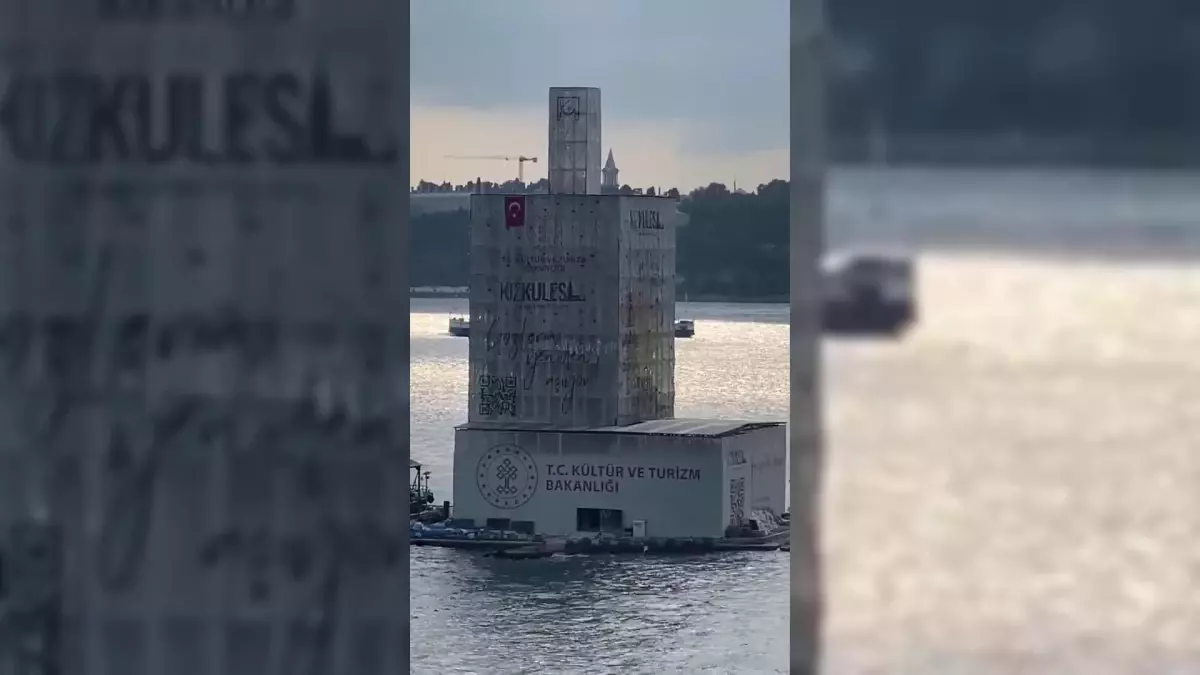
{"x":608,"y":175}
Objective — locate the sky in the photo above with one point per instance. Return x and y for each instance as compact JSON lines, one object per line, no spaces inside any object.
{"x":693,"y":91}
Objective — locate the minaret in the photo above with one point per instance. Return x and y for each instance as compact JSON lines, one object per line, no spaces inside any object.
{"x":608,"y":177}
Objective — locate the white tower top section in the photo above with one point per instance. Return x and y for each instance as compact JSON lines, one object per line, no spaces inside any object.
{"x":574,"y":153}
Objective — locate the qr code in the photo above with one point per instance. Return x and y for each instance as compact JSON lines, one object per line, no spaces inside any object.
{"x":497,"y":395}
{"x":737,"y":501}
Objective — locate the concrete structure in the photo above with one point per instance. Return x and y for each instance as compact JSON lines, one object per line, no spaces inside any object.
{"x":572,"y":367}
{"x":206,"y":372}
{"x":665,"y":478}
{"x":608,"y":179}
{"x":574,"y":153}
{"x":573,"y":311}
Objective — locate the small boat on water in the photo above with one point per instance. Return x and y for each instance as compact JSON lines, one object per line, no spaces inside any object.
{"x":868,"y":294}
{"x":460,"y":326}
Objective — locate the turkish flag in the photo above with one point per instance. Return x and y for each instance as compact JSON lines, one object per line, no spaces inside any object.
{"x":514,"y":211}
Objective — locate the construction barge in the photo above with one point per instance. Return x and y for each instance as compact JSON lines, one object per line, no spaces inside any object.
{"x":432,"y":525}
{"x":523,"y":546}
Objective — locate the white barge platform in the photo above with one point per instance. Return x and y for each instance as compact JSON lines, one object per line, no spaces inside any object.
{"x":518,"y":545}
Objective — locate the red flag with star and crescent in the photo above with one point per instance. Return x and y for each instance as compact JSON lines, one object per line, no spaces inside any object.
{"x":514,"y":211}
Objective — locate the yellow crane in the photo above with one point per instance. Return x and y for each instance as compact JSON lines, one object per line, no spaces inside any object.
{"x":519,"y":159}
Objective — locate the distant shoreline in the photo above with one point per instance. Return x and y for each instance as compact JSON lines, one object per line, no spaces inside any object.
{"x":726,"y":299}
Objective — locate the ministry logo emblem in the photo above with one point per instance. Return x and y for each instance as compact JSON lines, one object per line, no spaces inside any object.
{"x":507,"y":476}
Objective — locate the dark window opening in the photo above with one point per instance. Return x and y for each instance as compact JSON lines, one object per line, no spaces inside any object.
{"x":498,"y":523}
{"x":523,"y":526}
{"x":599,"y":520}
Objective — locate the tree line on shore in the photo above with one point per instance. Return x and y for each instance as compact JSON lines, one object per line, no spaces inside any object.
{"x":734,"y":246}
{"x":514,"y":186}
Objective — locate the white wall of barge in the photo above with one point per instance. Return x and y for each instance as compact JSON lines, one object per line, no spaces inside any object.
{"x":681,"y":484}
{"x":204,"y":404}
{"x":760,"y":456}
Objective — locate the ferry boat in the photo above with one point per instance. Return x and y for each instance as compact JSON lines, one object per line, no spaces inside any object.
{"x":868,"y":294}
{"x":460,"y":326}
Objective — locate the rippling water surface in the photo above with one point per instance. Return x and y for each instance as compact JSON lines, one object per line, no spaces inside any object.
{"x":1013,"y":488}
{"x":600,"y":615}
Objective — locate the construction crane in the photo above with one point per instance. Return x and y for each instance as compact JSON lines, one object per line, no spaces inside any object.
{"x":519,"y":159}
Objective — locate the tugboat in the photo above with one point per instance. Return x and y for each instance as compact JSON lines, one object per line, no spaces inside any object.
{"x":420,"y":497}
{"x":868,"y":294}
{"x":762,"y":531}
{"x":460,"y":326}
